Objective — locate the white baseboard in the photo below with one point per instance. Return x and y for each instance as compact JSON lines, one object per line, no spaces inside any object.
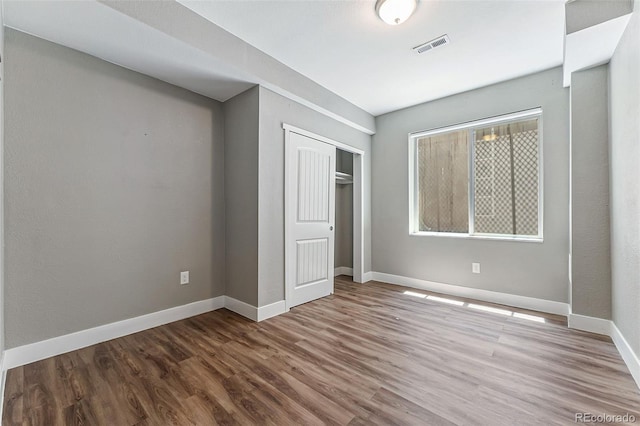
{"x":241,"y":308}
{"x":524,"y":302}
{"x":590,"y":324}
{"x":32,"y":352}
{"x":580,"y":322}
{"x":609,"y":328}
{"x":252,"y":312}
{"x":367,"y":276}
{"x":271,"y":310}
{"x":628,"y":355}
{"x":343,"y":270}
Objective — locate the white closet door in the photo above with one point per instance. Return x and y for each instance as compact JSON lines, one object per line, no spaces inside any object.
{"x":311,"y":212}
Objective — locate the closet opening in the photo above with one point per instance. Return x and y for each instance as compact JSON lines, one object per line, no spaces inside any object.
{"x":343,"y":253}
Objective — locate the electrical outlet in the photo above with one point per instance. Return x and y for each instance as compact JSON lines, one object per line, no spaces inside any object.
{"x":475,"y":268}
{"x":184,"y":277}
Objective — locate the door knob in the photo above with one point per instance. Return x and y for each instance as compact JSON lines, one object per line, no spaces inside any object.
{"x":331,"y":228}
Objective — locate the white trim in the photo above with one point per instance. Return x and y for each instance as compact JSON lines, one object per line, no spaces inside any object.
{"x":479,"y":123}
{"x":367,"y":276}
{"x":609,"y":328}
{"x":32,"y":352}
{"x":288,"y":251}
{"x":254,"y":313}
{"x":626,"y":352}
{"x":271,"y":310}
{"x":343,"y":270}
{"x":471,"y":127}
{"x":541,"y":305}
{"x":575,"y":321}
{"x":358,"y":218}
{"x":241,"y":308}
{"x":590,"y":324}
{"x":412,"y":184}
{"x":541,"y":190}
{"x":518,"y":238}
{"x":320,"y":138}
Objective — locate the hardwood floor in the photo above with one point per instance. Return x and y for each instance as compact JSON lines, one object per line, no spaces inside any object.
{"x":369,"y":354}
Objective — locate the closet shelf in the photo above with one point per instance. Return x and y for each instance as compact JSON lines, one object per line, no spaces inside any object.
{"x":343,"y":178}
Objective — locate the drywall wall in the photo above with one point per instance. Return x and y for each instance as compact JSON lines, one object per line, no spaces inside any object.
{"x":583,"y":14}
{"x":344,"y":226}
{"x":250,"y":63}
{"x":522,"y":268}
{"x":590,"y":257}
{"x":274,"y":111}
{"x":2,"y":282}
{"x":343,"y":255}
{"x":114,"y":183}
{"x":624,"y":124}
{"x":241,"y":195}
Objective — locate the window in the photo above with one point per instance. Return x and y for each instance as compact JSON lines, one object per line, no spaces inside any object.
{"x":479,"y":179}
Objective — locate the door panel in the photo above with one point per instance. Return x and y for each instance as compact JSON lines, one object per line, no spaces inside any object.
{"x":313,"y":193}
{"x":312,"y":261}
{"x":311,"y":210}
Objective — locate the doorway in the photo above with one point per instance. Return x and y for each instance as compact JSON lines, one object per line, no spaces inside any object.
{"x":344,"y":214}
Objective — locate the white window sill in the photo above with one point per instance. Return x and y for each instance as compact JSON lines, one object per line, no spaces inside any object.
{"x":535,"y":239}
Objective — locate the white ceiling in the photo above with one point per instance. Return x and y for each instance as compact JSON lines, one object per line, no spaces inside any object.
{"x":346,"y":48}
{"x":341,"y":45}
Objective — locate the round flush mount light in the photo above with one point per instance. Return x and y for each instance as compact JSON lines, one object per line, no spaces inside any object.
{"x":395,"y":12}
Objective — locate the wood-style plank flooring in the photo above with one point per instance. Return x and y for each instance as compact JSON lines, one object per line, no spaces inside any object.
{"x":369,"y":354}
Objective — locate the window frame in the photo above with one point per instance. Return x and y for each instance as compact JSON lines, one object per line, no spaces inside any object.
{"x":471,"y":127}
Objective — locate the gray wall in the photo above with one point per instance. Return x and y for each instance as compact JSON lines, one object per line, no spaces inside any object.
{"x":241,"y":195}
{"x":343,"y":255}
{"x":582,"y":14}
{"x":114,"y":183}
{"x":275,"y":110}
{"x":523,"y":268}
{"x":624,"y":98}
{"x":181,"y":23}
{"x":2,"y":268}
{"x":590,"y":258}
{"x":344,"y":226}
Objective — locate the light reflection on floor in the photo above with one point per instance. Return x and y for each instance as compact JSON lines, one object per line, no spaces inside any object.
{"x":476,"y":306}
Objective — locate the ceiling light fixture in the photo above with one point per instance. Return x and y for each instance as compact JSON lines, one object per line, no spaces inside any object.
{"x":395,"y":12}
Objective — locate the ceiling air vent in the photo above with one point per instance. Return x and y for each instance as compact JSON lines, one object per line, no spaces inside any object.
{"x":432,"y":44}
